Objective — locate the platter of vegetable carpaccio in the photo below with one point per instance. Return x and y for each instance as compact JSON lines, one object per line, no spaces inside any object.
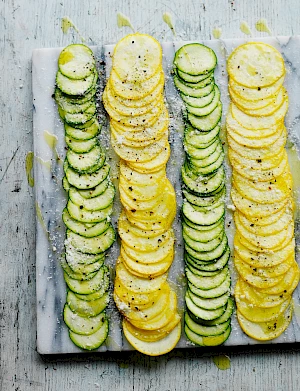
{"x":181,"y":206}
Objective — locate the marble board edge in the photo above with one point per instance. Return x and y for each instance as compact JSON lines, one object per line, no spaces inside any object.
{"x":46,"y":274}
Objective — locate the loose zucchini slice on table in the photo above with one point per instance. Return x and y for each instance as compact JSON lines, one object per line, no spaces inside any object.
{"x":91,"y":195}
{"x":261,"y":191}
{"x":203,"y":210}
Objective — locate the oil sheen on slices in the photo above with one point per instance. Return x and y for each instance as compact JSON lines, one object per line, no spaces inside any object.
{"x":262,"y":184}
{"x":208,"y":303}
{"x":90,"y":199}
{"x":139,"y":120}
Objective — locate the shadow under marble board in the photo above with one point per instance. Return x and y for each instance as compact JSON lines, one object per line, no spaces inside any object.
{"x":49,"y":151}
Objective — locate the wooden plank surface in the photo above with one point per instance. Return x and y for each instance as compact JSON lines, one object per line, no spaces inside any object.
{"x":25,"y":25}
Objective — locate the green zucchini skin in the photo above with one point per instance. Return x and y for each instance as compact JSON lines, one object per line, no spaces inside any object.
{"x":208,"y":302}
{"x":90,"y":200}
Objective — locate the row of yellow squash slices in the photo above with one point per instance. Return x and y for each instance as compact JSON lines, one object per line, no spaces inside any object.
{"x":264,"y":244}
{"x":139,"y":120}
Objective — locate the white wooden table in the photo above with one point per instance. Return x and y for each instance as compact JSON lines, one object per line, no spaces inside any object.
{"x":29,"y":24}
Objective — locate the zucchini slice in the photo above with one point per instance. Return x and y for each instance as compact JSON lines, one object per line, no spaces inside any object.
{"x":209,"y":255}
{"x":87,"y":216}
{"x":87,"y":308}
{"x":193,"y":92}
{"x":203,"y":246}
{"x":195,"y":59}
{"x":100,"y":202}
{"x":207,"y":340}
{"x":207,"y":282}
{"x":200,"y":140}
{"x":71,"y":108}
{"x":81,"y":146}
{"x":74,"y":100}
{"x":210,"y":303}
{"x":83,"y":134}
{"x":223,"y":318}
{"x":76,"y":87}
{"x":82,"y":325}
{"x":205,"y":331}
{"x":86,"y":287}
{"x":94,"y":192}
{"x":215,"y":265}
{"x":207,"y":122}
{"x":201,"y":312}
{"x":98,"y":293}
{"x":95,"y":245}
{"x":205,"y":186}
{"x":88,"y":273}
{"x":192,"y":79}
{"x":76,"y":61}
{"x":211,"y":293}
{"x":205,"y":201}
{"x":200,"y":84}
{"x":86,"y":162}
{"x":202,"y":111}
{"x":78,"y":118}
{"x":86,"y":181}
{"x":86,"y":230}
{"x":203,"y":236}
{"x":92,"y":341}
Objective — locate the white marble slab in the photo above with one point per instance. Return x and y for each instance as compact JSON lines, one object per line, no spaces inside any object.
{"x":52,"y":334}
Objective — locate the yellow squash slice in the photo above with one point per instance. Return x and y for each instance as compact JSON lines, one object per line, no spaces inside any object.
{"x":261,"y":299}
{"x":236,"y":127}
{"x":150,"y":257}
{"x":132,"y":90}
{"x":262,"y":122}
{"x":284,"y":220}
{"x":152,"y":335}
{"x":254,"y":209}
{"x":263,"y":142}
{"x":250,"y":65}
{"x":251,"y":104}
{"x":154,"y":348}
{"x":272,"y":107}
{"x":266,"y":331}
{"x":254,"y":94}
{"x":136,"y":284}
{"x":137,"y":57}
{"x":257,"y":153}
{"x":162,"y":301}
{"x":142,"y":154}
{"x":257,"y":259}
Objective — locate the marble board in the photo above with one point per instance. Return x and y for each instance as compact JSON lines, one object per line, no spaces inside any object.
{"x":52,"y":334}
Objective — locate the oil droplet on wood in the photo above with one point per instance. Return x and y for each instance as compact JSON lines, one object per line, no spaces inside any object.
{"x":244,"y":27}
{"x":124,"y":365}
{"x":66,"y":24}
{"x":124,"y":21}
{"x":28,"y":167}
{"x":167,"y":18}
{"x":217,"y":32}
{"x":222,"y":362}
{"x":262,"y":26}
